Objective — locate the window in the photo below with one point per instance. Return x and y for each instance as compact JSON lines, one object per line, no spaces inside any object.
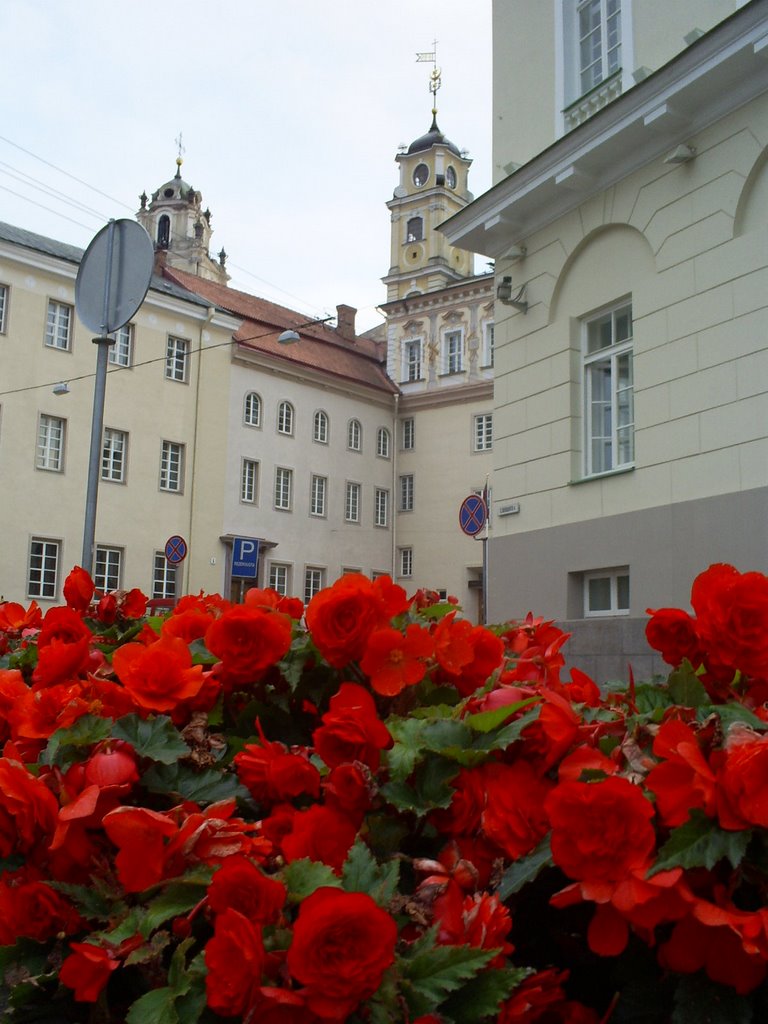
{"x":414,"y":231}
{"x":43,"y":572}
{"x":318,"y":488}
{"x":106,"y":572}
{"x":172,"y":466}
{"x":314,"y":581}
{"x":381,"y":507}
{"x":3,"y":306}
{"x":58,"y":328}
{"x":176,"y":359}
{"x":599,"y":34}
{"x":452,"y":344}
{"x":488,"y":345}
{"x":352,"y":503}
{"x":50,"y":443}
{"x":279,"y":577}
{"x":484,"y":432}
{"x":163,"y":577}
{"x":354,"y":436}
{"x":113,"y":455}
{"x":382,"y":443}
{"x":406,"y":561}
{"x":608,"y":399}
{"x":252,"y":410}
{"x":606,"y":592}
{"x":412,"y":359}
{"x":285,"y":418}
{"x":249,"y":481}
{"x":283,"y":488}
{"x":406,"y":493}
{"x":320,"y":427}
{"x":121,"y":351}
{"x":408,"y":434}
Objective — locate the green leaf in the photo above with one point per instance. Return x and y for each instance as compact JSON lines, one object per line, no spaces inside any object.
{"x":685,"y":687}
{"x":90,"y":903}
{"x":509,"y":734}
{"x":201,"y":655}
{"x":486,"y":721}
{"x":649,"y":697}
{"x":125,"y":929}
{"x":155,"y":738}
{"x":734,"y":713}
{"x":65,"y":745}
{"x":429,"y":787}
{"x":479,"y":999}
{"x":302,"y":877}
{"x":176,"y":899}
{"x":700,"y":1001}
{"x":525,"y":870}
{"x":203,"y":787}
{"x":363,"y":873}
{"x":155,"y":1007}
{"x":408,"y":735}
{"x":701,"y":843}
{"x":430,"y":973}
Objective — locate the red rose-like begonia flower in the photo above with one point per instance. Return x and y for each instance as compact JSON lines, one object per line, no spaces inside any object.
{"x":12,"y":690}
{"x":321,"y":833}
{"x":62,"y":645}
{"x":240,"y":884}
{"x":273,"y":774}
{"x":514,"y":816}
{"x":189,"y":625}
{"x":159,"y":676}
{"x":140,"y":835}
{"x":600,"y":830}
{"x":29,"y":907}
{"x":479,"y":919}
{"x":87,"y":970}
{"x":394,"y":660}
{"x":347,"y":789}
{"x":235,"y":961}
{"x":342,"y":617}
{"x":342,"y":944}
{"x":453,"y":648}
{"x":462,"y":816}
{"x":732,"y":618}
{"x":719,"y":950}
{"x":351,"y":730}
{"x":28,"y":809}
{"x":672,"y":632}
{"x":134,"y":604}
{"x":249,"y":640}
{"x":555,"y":730}
{"x":269,"y":598}
{"x":683,"y":780}
{"x":742,"y":781}
{"x":540,"y":998}
{"x":78,"y":589}
{"x":487,"y":656}
{"x":210,"y":836}
{"x":14,"y":618}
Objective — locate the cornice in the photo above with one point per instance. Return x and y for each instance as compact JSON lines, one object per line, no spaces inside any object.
{"x":462,"y":393}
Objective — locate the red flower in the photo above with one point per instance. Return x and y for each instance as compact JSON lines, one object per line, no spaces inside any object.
{"x":453,"y":648}
{"x":235,"y":961}
{"x":87,"y":970}
{"x":480,"y":920}
{"x":29,"y":907}
{"x":159,"y":676}
{"x":342,"y":617}
{"x":742,"y":781}
{"x":514,"y":816}
{"x":240,"y":884}
{"x":321,"y":833}
{"x":78,"y":589}
{"x":732,"y":618}
{"x":684,"y":780}
{"x":272,"y":773}
{"x":269,"y":598}
{"x":14,"y":617}
{"x":28,"y":810}
{"x":672,"y":632}
{"x":347,"y":789}
{"x":342,"y":944}
{"x":462,"y":817}
{"x":719,"y":950}
{"x":140,"y":835}
{"x":62,"y":645}
{"x":249,"y":640}
{"x":394,"y":661}
{"x":351,"y":730}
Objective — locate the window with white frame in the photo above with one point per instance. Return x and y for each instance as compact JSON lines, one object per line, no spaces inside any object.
{"x":594,"y":46}
{"x":279,"y":577}
{"x":382,"y":443}
{"x":606,"y":592}
{"x":381,"y":507}
{"x":58,"y":327}
{"x":121,"y":350}
{"x":107,"y":565}
{"x":320,"y":427}
{"x":406,"y":492}
{"x":354,"y":436}
{"x":414,"y":231}
{"x":488,"y":344}
{"x":352,"y":503}
{"x":283,"y":488}
{"x":3,"y":307}
{"x":408,"y":434}
{"x":452,"y":351}
{"x":314,"y":581}
{"x":114,"y":451}
{"x":411,"y":359}
{"x":252,"y":409}
{"x":406,"y":561}
{"x":317,"y":491}
{"x":608,"y":391}
{"x":599,"y":41}
{"x":43,"y":570}
{"x":50,"y":443}
{"x":285,"y":418}
{"x":176,"y":359}
{"x":483,"y":432}
{"x":172,"y":466}
{"x":249,"y":481}
{"x":163,"y":578}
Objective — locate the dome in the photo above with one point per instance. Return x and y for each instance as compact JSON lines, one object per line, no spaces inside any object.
{"x":434,"y":137}
{"x":176,"y":188}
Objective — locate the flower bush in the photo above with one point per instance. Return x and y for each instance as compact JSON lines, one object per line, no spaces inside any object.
{"x":370,"y":810}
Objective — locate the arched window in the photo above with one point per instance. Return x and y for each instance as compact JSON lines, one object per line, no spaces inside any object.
{"x":414,"y":231}
{"x":252,"y":410}
{"x":354,"y":436}
{"x":382,"y":442}
{"x":285,"y":418}
{"x":320,"y":427}
{"x":164,"y":232}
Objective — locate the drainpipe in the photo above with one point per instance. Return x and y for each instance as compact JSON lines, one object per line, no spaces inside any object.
{"x":210,"y":313}
{"x":393,"y":503}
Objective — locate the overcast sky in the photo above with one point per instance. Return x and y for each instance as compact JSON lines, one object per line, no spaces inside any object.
{"x":291,"y":113}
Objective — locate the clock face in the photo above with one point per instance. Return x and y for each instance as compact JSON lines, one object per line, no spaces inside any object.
{"x":420,"y":174}
{"x":450,"y":177}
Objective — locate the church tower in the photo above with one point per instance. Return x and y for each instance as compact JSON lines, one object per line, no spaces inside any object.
{"x":180,"y":229}
{"x":433,"y":187}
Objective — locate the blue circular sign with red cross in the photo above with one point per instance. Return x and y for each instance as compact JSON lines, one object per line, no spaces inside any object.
{"x":175,"y":549}
{"x":472,"y":515}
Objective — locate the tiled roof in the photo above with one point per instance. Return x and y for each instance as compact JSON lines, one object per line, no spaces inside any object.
{"x":321,"y":347}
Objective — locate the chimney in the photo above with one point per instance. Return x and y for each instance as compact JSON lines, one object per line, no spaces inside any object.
{"x":345,"y":322}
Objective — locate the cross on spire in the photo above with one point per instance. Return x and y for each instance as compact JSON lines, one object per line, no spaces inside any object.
{"x":430,"y":56}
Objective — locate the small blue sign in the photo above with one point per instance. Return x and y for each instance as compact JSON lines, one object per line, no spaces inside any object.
{"x":245,"y":557}
{"x":175,"y":549}
{"x":473,"y":515}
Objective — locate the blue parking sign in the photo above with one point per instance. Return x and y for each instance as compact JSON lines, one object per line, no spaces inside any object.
{"x":245,"y":557}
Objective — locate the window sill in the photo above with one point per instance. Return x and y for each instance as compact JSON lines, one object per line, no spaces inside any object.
{"x":619,"y":471}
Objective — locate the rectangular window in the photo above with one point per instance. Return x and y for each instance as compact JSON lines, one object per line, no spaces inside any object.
{"x":381,"y":507}
{"x":163,"y":577}
{"x":106,"y":572}
{"x":408,"y":434}
{"x":3,"y":307}
{"x":452,"y":344}
{"x":176,"y":359}
{"x":406,"y":493}
{"x":113,"y":455}
{"x":484,"y":432}
{"x":283,"y":488}
{"x":318,"y":488}
{"x":42,"y":577}
{"x":58,"y":328}
{"x":606,"y":592}
{"x":121,"y":352}
{"x":352,"y":503}
{"x":608,"y":396}
{"x":172,"y":467}
{"x":314,"y":581}
{"x":488,"y":344}
{"x":50,"y":443}
{"x":599,"y":32}
{"x":249,"y":480}
{"x":406,"y":561}
{"x":412,"y":360}
{"x":279,"y":577}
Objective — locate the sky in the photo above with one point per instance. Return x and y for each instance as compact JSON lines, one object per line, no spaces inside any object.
{"x":290,"y":115}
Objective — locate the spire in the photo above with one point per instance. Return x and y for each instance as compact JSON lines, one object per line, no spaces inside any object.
{"x":179,"y":158}
{"x":435,"y":79}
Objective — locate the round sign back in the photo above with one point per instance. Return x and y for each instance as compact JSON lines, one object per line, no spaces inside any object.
{"x":114,"y":276}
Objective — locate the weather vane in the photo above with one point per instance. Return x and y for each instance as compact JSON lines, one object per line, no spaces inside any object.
{"x":430,"y":57}
{"x":181,"y":148}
